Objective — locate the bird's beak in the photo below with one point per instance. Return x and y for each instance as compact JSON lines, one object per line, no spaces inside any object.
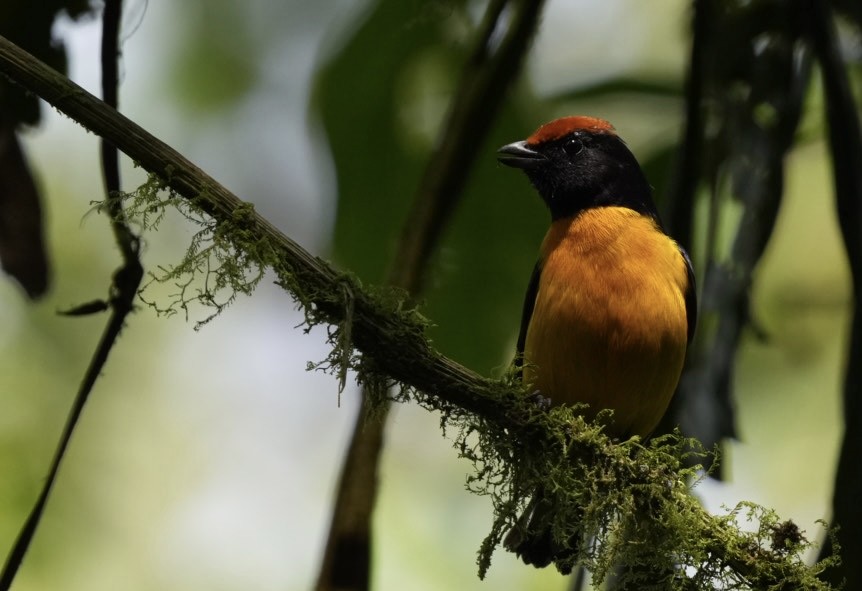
{"x":518,"y":155}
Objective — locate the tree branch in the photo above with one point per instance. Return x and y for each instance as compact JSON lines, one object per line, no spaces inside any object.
{"x":377,"y":330}
{"x":393,"y":344}
{"x":679,"y":204}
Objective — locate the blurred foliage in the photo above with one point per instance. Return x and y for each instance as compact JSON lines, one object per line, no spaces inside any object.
{"x":745,"y":98}
{"x":399,"y":66}
{"x":221,"y":68}
{"x":29,"y":24}
{"x":22,"y":249}
{"x":752,"y":78}
{"x":381,"y":96}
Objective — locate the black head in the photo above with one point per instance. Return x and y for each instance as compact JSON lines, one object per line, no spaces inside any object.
{"x":580,"y":162}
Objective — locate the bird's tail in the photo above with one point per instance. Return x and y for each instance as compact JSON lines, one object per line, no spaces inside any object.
{"x":532,"y":539}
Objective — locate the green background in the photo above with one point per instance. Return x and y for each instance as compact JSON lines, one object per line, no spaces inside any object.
{"x":208,"y":459}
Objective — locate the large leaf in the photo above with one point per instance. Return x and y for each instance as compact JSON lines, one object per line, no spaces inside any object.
{"x":381,"y":100}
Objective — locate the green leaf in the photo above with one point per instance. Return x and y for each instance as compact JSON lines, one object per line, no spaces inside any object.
{"x":382,"y":100}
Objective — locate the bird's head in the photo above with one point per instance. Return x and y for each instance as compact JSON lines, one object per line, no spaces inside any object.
{"x":580,"y":162}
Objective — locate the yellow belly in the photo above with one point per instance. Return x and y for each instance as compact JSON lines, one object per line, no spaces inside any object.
{"x":609,"y":326}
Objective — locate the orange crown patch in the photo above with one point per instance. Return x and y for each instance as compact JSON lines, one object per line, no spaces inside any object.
{"x":563,"y":126}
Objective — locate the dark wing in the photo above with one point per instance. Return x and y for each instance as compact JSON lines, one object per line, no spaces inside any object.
{"x":690,"y":296}
{"x":529,"y":304}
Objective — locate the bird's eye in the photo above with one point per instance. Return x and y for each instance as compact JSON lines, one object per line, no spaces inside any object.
{"x":573,"y":147}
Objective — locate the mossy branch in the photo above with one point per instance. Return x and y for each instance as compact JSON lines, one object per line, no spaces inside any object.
{"x":633,"y":499}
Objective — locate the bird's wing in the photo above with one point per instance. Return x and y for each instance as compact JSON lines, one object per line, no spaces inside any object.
{"x":529,"y":304}
{"x":690,"y":296}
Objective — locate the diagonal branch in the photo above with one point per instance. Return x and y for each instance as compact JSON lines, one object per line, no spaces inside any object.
{"x":376,"y":328}
{"x":481,"y":90}
{"x":392,"y":340}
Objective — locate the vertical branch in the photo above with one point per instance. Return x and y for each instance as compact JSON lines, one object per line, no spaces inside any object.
{"x":125,"y":286}
{"x":678,"y":208}
{"x":678,"y":212}
{"x":479,"y":95}
{"x":687,"y":167}
{"x":845,"y":142}
{"x":126,"y":241}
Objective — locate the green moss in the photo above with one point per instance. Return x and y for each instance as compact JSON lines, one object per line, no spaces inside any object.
{"x":623,"y":510}
{"x":227,"y":258}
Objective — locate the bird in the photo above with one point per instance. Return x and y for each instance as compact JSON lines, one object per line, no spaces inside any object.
{"x":611,"y":304}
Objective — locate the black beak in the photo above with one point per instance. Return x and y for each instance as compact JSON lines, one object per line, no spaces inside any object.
{"x":518,"y":155}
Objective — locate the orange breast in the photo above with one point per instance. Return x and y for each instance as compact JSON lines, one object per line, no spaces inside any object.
{"x":609,"y":326}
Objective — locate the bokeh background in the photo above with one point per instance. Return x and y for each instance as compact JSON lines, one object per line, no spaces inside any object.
{"x":207,"y":459}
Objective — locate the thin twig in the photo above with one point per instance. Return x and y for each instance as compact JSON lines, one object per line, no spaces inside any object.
{"x":126,"y":240}
{"x":678,"y":208}
{"x":679,"y":205}
{"x":125,"y":286}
